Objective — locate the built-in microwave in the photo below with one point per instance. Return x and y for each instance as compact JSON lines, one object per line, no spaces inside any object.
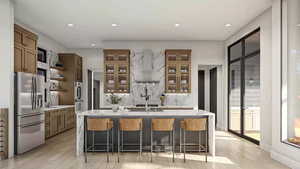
{"x":42,"y":55}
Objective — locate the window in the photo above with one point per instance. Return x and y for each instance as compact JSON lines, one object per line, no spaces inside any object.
{"x":291,"y":74}
{"x":244,"y":87}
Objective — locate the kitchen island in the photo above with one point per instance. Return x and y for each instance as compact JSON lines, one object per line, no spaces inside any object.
{"x":177,"y":114}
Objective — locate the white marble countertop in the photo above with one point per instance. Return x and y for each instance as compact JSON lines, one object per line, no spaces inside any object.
{"x":58,"y":107}
{"x":166,"y":106}
{"x":164,"y":113}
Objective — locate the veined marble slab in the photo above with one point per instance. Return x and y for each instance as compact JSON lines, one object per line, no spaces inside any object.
{"x":143,"y":114}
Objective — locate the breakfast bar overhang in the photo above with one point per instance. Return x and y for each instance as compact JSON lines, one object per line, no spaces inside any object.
{"x":147,"y":116}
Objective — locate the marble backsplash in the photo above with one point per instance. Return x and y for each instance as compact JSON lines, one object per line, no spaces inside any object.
{"x":155,"y":90}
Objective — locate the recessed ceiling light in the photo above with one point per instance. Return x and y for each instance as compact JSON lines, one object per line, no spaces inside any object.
{"x":228,"y":25}
{"x":93,"y":45}
{"x":70,"y":25}
{"x":177,"y":25}
{"x":114,"y":25}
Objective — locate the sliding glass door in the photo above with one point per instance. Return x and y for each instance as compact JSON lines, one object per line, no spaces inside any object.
{"x":244,"y":87}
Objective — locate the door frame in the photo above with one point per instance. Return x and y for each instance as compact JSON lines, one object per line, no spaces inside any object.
{"x":242,"y":94}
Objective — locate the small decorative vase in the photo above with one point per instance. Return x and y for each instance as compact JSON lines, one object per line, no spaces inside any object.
{"x":115,"y":107}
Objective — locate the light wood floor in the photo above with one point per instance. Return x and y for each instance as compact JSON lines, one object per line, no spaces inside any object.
{"x":59,"y":153}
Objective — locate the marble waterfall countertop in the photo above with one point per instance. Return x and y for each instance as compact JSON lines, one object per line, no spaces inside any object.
{"x":160,"y":107}
{"x":177,"y":114}
{"x":164,"y":113}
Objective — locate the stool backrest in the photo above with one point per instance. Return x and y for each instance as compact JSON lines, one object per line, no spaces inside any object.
{"x":131,"y":124}
{"x":195,"y":124}
{"x":99,"y":124}
{"x":162,"y":124}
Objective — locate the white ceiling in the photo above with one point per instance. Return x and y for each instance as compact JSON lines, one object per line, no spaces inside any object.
{"x":138,"y":19}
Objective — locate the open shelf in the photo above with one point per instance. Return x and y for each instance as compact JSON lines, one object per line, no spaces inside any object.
{"x":58,"y":90}
{"x":58,"y":79}
{"x":57,"y":68}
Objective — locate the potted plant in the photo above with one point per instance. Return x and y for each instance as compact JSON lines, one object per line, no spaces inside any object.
{"x":114,"y":100}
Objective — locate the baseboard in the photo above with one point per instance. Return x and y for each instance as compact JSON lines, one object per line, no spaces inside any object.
{"x":285,"y":160}
{"x":265,"y":147}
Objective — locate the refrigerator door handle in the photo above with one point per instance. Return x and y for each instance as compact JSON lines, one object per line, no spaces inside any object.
{"x":34,"y":91}
{"x":32,"y":94}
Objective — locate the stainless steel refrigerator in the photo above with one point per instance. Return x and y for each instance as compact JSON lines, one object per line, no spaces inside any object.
{"x":29,"y":115}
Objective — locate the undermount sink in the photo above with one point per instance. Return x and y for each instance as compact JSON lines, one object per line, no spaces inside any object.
{"x":151,"y":109}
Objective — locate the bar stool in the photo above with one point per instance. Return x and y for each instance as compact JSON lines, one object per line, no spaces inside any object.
{"x":163,"y":125}
{"x":194,"y":125}
{"x":130,"y":125}
{"x":98,"y":125}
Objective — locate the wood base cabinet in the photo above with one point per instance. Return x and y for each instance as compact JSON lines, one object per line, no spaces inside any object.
{"x":58,"y":121}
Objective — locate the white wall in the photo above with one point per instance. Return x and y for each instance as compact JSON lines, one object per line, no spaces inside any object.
{"x":44,"y":41}
{"x":282,"y":152}
{"x":6,"y":64}
{"x":203,"y":53}
{"x":264,"y":21}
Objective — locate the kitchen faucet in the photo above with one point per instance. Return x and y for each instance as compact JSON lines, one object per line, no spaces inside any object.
{"x":147,"y":97}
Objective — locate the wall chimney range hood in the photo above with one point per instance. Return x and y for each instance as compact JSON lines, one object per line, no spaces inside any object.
{"x":145,"y":75}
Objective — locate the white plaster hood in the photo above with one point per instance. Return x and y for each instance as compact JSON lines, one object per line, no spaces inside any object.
{"x":146,"y":73}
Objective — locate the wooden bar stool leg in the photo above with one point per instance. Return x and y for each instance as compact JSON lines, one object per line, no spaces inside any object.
{"x":184,"y":144}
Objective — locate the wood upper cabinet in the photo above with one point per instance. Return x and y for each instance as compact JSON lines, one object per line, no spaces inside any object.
{"x":178,"y":71}
{"x":25,"y":50}
{"x":78,"y":63}
{"x":117,"y":70}
{"x":30,"y":61}
{"x":19,"y":56}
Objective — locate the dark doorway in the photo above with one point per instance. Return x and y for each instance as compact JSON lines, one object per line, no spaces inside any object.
{"x":213,"y":91}
{"x":201,"y":90}
{"x":90,"y":89}
{"x":96,"y":94}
